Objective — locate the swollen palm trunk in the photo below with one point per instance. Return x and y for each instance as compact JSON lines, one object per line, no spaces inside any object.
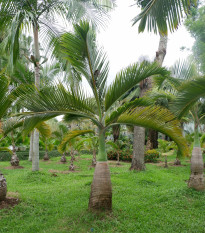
{"x":3,"y":187}
{"x":14,"y":160}
{"x":196,"y":179}
{"x":101,"y":189}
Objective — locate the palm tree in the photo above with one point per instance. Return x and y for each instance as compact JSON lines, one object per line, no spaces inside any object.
{"x":51,"y":101}
{"x":170,"y":91}
{"x":39,"y":15}
{"x":6,"y":99}
{"x":192,"y":92}
{"x":158,"y":16}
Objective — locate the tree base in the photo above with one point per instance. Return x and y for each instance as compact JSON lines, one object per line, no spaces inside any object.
{"x":46,"y":157}
{"x":3,"y":188}
{"x":137,"y":167}
{"x":93,"y":163}
{"x":101,"y":189}
{"x":196,"y":181}
{"x":71,"y":168}
{"x":63,"y":159}
{"x":14,"y":160}
{"x":177,"y":162}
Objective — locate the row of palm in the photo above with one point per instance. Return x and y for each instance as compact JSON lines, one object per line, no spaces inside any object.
{"x":79,"y":57}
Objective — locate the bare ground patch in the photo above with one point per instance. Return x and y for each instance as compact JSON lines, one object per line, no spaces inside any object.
{"x":10,"y":201}
{"x":14,"y":167}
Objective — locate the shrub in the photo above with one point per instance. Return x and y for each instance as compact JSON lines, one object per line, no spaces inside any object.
{"x":151,"y":156}
{"x":125,"y":155}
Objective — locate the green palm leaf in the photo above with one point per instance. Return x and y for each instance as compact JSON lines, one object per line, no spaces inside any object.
{"x":71,"y":135}
{"x":161,"y":15}
{"x":159,"y":119}
{"x":188,"y":95}
{"x":129,"y":78}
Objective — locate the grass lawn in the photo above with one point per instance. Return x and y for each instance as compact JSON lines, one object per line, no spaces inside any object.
{"x":156,"y":200}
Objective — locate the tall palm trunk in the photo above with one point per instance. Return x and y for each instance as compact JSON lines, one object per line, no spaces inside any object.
{"x":31,"y":147}
{"x":196,"y":179}
{"x":160,"y":55}
{"x":139,"y":133}
{"x":94,"y":158}
{"x":35,"y":159}
{"x":101,"y":188}
{"x":138,"y":163}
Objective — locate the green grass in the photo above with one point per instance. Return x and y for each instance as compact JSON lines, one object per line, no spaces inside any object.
{"x":156,"y":200}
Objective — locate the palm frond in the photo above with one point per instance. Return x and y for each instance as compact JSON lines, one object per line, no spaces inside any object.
{"x":44,"y":129}
{"x":188,"y":95}
{"x":6,"y":96}
{"x":161,"y":15}
{"x":5,"y":149}
{"x":114,"y":115}
{"x":71,"y":135}
{"x":11,"y":124}
{"x":129,"y":78}
{"x":159,"y":119}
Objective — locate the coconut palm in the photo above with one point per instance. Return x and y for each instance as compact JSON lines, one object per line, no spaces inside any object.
{"x":100,"y":108}
{"x":39,"y":15}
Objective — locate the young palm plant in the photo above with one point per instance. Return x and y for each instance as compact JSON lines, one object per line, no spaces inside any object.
{"x":82,"y":53}
{"x":188,"y":97}
{"x":174,"y":88}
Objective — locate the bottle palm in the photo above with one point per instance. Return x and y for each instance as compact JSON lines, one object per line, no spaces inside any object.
{"x":100,"y":107}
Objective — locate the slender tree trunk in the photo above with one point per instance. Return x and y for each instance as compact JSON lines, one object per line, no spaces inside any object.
{"x":3,"y":187}
{"x":118,"y":158}
{"x":165,"y":161}
{"x":71,"y":167}
{"x":14,"y":159}
{"x":160,"y":55}
{"x":63,"y":158}
{"x":196,"y":179}
{"x":31,"y":147}
{"x":35,"y":159}
{"x":46,"y":157}
{"x":138,"y":163}
{"x":94,"y":158}
{"x":101,"y":188}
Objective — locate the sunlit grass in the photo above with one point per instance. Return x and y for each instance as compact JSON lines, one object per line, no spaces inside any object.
{"x":156,"y":200}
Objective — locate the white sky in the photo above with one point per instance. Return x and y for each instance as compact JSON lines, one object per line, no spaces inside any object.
{"x":124,"y":45}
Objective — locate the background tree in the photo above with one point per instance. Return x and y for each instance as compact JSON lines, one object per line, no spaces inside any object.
{"x":157,"y":16}
{"x":196,"y":26}
{"x":40,"y":17}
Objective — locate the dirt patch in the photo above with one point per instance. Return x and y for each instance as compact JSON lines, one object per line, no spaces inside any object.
{"x":46,"y":161}
{"x":62,"y":162}
{"x":171,"y":164}
{"x":57,"y":171}
{"x":10,"y":201}
{"x":14,"y":167}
